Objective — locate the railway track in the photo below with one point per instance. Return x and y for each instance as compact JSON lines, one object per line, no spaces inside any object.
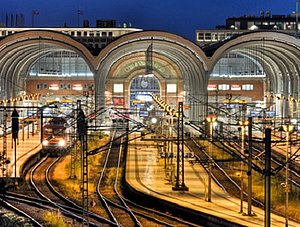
{"x":218,"y":173}
{"x":15,"y":216}
{"x":278,"y":158}
{"x":122,"y":211}
{"x":39,"y":195}
{"x":49,"y":199}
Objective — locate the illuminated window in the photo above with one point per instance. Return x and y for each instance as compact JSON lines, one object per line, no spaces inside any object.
{"x":200,"y":36}
{"x":39,"y":86}
{"x":223,"y":87}
{"x":171,"y":88}
{"x":221,"y":36}
{"x":65,"y":86}
{"x":247,"y":87}
{"x":207,"y":36}
{"x":88,"y":87}
{"x":118,"y":88}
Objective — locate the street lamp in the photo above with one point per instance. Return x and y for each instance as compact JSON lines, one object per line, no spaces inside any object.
{"x":243,"y":124}
{"x":281,"y":98}
{"x":210,"y":119}
{"x":288,"y":129}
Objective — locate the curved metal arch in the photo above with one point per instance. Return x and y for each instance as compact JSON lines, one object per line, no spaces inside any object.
{"x":29,"y":42}
{"x":12,"y":52}
{"x":7,"y":71}
{"x":49,"y":36}
{"x":11,"y":65}
{"x":149,"y":36}
{"x":287,"y":72}
{"x":282,"y":67}
{"x":181,"y":60}
{"x":184,"y":54}
{"x":265,"y":62}
{"x":168,"y":51}
{"x":276,"y":39}
{"x":183,"y":63}
{"x":259,"y":36}
{"x":55,"y":45}
{"x":16,"y":76}
{"x":279,"y":59}
{"x":292,"y":62}
{"x":273,"y":42}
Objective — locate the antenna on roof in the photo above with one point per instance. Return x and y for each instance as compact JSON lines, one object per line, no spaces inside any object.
{"x":34,"y":14}
{"x":79,"y":13}
{"x":297,"y":13}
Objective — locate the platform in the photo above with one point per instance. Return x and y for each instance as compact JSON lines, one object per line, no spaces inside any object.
{"x":145,"y":172}
{"x":24,"y":149}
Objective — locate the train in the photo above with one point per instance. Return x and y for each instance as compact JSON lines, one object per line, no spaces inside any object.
{"x":55,"y":137}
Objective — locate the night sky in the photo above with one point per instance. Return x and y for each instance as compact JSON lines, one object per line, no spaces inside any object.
{"x":181,"y":17}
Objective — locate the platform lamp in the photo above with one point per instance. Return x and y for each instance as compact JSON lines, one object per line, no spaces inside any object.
{"x":281,"y":98}
{"x":243,"y":124}
{"x":211,"y":119}
{"x":288,"y":128}
{"x":15,"y":131}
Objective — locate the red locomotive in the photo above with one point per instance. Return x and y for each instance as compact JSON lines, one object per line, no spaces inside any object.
{"x":55,"y":139}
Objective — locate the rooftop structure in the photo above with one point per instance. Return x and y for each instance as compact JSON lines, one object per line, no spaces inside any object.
{"x":247,"y":23}
{"x":95,"y":37}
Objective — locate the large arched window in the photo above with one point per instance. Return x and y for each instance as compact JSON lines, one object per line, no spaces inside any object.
{"x":60,"y":63}
{"x":140,"y":88}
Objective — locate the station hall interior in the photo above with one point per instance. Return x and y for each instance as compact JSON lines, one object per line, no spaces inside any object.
{"x":250,"y":59}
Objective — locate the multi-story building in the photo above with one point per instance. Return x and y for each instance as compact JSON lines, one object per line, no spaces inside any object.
{"x":236,"y":74}
{"x":247,"y":23}
{"x":96,"y":37}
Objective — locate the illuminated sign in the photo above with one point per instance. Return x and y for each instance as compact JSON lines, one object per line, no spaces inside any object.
{"x":235,"y":87}
{"x":77,"y":87}
{"x":143,"y":97}
{"x":212,"y":87}
{"x":171,"y":88}
{"x":118,"y":88}
{"x":53,"y":87}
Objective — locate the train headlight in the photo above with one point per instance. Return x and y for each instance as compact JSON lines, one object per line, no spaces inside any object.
{"x":62,"y":143}
{"x":45,"y":143}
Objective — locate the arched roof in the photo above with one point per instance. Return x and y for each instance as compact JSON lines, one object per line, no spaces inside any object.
{"x":20,"y":50}
{"x":278,"y":53}
{"x":187,"y":56}
{"x":170,"y":40}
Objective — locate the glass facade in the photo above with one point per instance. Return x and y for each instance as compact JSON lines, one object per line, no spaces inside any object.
{"x":140,"y":88}
{"x":238,"y":65}
{"x":63,"y":63}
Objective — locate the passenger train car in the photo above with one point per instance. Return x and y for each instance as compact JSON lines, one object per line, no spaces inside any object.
{"x":55,"y":136}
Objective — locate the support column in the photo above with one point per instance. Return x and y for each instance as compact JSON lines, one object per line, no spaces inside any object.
{"x":267,"y":177}
{"x":82,"y":135}
{"x":179,"y":185}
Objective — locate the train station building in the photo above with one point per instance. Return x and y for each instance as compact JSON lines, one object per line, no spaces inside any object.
{"x":120,"y":66}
